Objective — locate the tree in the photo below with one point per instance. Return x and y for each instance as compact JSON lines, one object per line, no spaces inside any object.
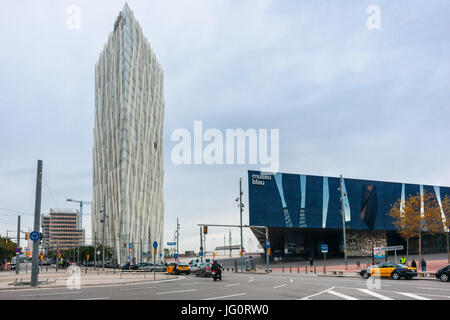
{"x":416,"y":215}
{"x":446,"y":214}
{"x":7,"y":249}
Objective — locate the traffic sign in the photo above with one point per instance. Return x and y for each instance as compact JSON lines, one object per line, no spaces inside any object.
{"x":28,"y":253}
{"x":130,"y":250}
{"x":155,"y":244}
{"x":155,"y":251}
{"x":98,"y":252}
{"x":267,"y":244}
{"x":34,"y":236}
{"x":17,"y":250}
{"x":324,"y":248}
{"x":392,"y":248}
{"x":130,"y":245}
{"x":201,"y":253}
{"x":171,"y":243}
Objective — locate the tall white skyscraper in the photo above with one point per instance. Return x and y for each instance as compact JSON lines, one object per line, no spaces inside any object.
{"x":128,"y":142}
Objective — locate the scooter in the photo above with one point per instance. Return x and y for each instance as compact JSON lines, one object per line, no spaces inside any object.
{"x":216,"y":275}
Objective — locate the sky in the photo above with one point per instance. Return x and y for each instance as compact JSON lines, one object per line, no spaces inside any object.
{"x":347,"y":99}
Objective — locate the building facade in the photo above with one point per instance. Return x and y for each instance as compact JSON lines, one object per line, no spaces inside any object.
{"x":304,"y":211}
{"x":61,"y":229}
{"x":128,"y":142}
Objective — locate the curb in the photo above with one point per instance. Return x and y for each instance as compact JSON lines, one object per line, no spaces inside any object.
{"x":85,"y":285}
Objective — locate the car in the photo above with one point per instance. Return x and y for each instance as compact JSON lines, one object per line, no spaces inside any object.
{"x":389,"y":269}
{"x":160,"y":267}
{"x":204,"y":270}
{"x":194,"y":267}
{"x":177,"y":268}
{"x":443,"y":274}
{"x":145,"y":266}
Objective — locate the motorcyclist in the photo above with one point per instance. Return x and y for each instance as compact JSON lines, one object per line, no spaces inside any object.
{"x":217,"y":268}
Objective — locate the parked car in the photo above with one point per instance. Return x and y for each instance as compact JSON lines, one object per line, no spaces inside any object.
{"x":145,"y":266}
{"x":443,"y":274}
{"x":204,"y":270}
{"x":389,"y":269}
{"x":160,"y":267}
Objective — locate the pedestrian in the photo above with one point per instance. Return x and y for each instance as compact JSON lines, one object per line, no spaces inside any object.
{"x":311,"y":261}
{"x":403,"y":260}
{"x":424,"y":265}
{"x":413,"y":264}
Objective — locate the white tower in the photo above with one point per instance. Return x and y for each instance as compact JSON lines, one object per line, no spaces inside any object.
{"x":128,"y":142}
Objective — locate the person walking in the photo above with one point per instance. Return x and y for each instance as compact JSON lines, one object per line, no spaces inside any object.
{"x":311,"y":261}
{"x":424,"y":265}
{"x":413,"y":264}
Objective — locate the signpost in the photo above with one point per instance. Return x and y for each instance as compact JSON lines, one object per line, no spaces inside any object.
{"x":155,"y":252}
{"x":267,"y":255}
{"x":324,"y":249}
{"x":34,"y":236}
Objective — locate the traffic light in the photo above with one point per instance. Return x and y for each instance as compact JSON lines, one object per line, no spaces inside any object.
{"x":27,"y":236}
{"x":6,"y":241}
{"x":205,"y":229}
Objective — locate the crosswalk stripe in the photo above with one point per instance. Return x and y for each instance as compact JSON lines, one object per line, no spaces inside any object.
{"x":340,"y":295}
{"x":412,"y":295}
{"x":377,"y":295}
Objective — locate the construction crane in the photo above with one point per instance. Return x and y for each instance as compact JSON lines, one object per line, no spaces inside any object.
{"x":81,"y":202}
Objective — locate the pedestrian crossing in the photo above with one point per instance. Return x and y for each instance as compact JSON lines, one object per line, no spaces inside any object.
{"x":345,"y":293}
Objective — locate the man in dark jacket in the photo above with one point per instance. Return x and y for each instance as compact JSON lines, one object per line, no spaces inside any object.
{"x":413,"y":264}
{"x":217,"y":268}
{"x":424,"y":265}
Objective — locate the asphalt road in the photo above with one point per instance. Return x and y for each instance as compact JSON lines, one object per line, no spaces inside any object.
{"x":235,"y":286}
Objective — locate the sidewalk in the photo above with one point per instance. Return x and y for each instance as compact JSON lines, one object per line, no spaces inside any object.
{"x":63,"y":277}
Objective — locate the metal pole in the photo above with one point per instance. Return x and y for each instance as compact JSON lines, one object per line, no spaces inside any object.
{"x":18,"y":245}
{"x":37,"y":218}
{"x":230,"y":242}
{"x":103,"y":234}
{"x":95,"y":250}
{"x":240,"y":210}
{"x":343,"y":220}
{"x":267,"y":249}
{"x":201,"y":245}
{"x":178,"y":234}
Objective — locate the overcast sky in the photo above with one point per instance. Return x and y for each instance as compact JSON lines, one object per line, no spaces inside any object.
{"x":347,"y":99}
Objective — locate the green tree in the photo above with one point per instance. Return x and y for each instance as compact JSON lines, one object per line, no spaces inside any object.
{"x":7,"y":249}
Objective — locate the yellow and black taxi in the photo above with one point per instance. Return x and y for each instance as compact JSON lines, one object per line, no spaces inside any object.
{"x":389,"y":269}
{"x":177,"y":268}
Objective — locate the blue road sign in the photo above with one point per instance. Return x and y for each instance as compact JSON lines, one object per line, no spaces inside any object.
{"x":155,"y":244}
{"x":324,"y":248}
{"x":34,"y":236}
{"x":171,"y":243}
{"x":17,"y":250}
{"x":267,"y":244}
{"x":130,"y":245}
{"x":201,"y":254}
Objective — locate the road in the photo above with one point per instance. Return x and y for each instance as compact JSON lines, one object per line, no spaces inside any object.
{"x":236,"y":286}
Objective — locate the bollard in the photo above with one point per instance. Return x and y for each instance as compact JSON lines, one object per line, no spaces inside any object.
{"x":85,"y":270}
{"x":298,"y":269}
{"x":314,"y":269}
{"x":282,"y":268}
{"x":324,"y":270}
{"x":290,"y":269}
{"x":306,"y":269}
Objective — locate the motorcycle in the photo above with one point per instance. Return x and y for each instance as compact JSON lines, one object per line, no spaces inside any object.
{"x":216,"y":275}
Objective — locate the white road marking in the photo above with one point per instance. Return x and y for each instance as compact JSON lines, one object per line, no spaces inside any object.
{"x":340,"y":295}
{"x":179,"y":291}
{"x":280,"y":286}
{"x":133,"y":289}
{"x":377,"y":295}
{"x":100,"y":298}
{"x":223,"y":297}
{"x":251,"y":279}
{"x":190,"y":283}
{"x":316,"y":294}
{"x":49,"y":294}
{"x":412,"y":295}
{"x":431,"y":288}
{"x":234,"y":284}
